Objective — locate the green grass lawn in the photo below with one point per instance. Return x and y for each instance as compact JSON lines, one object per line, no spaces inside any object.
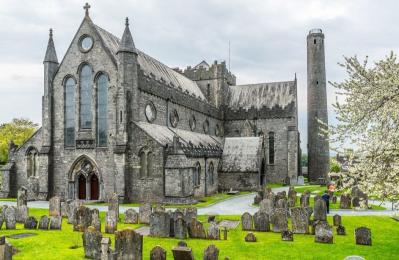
{"x":9,"y":199}
{"x":385,"y":235}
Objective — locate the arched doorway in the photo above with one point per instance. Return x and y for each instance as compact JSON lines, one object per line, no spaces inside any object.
{"x":94,"y":187}
{"x":82,"y":187}
{"x":84,"y":180}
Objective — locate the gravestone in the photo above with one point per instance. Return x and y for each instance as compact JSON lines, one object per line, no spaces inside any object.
{"x":300,"y":220}
{"x":95,"y":219}
{"x":22,"y":197}
{"x":158,"y":253}
{"x":22,"y":213}
{"x":131,"y":216}
{"x":305,"y":200}
{"x":6,"y":249}
{"x":261,"y":221}
{"x":10,"y":217}
{"x":158,"y":208}
{"x":113,"y":204}
{"x":82,"y":218}
{"x":55,"y":206}
{"x":31,"y":223}
{"x":182,"y":243}
{"x":287,"y":235}
{"x":267,"y":206}
{"x":301,"y":180}
{"x":44,"y":222}
{"x":355,"y":202}
{"x":213,"y":231}
{"x":341,"y":230}
{"x":363,"y":236}
{"x":182,"y":253}
{"x":111,"y":222}
{"x":250,"y":237}
{"x":292,"y":194}
{"x":320,"y":210}
{"x":337,"y":220}
{"x":64,"y":210}
{"x":257,"y":199}
{"x":309,"y":210}
{"x":144,"y":213}
{"x":246,"y":221}
{"x":55,"y":222}
{"x":180,"y":228}
{"x":128,"y":244}
{"x":323,"y":232}
{"x":279,"y":220}
{"x":2,"y":212}
{"x":281,"y":204}
{"x":196,"y":229}
{"x":189,"y":213}
{"x":92,"y":243}
{"x":159,"y":224}
{"x":106,"y":251}
{"x":345,"y":201}
{"x":211,"y":253}
{"x":73,"y":207}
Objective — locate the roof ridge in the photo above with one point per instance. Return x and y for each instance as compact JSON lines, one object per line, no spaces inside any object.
{"x":263,"y":83}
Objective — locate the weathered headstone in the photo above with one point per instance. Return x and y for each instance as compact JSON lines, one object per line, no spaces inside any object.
{"x":82,"y":218}
{"x":64,"y":210}
{"x":196,"y":229}
{"x":158,"y":208}
{"x":246,"y":221}
{"x":128,"y":244}
{"x":309,"y":210}
{"x":131,"y":216}
{"x":287,"y":235}
{"x":301,"y":180}
{"x":305,"y":199}
{"x":292,"y":194}
{"x":189,"y":213}
{"x":158,"y":253}
{"x":159,"y":224}
{"x":95,"y":219}
{"x":341,"y":230}
{"x":72,"y":208}
{"x":279,"y":220}
{"x":31,"y":223}
{"x":182,"y":253}
{"x":213,"y":231}
{"x":111,"y":222}
{"x":144,"y":213}
{"x":22,"y":213}
{"x":257,"y":199}
{"x":337,"y":220}
{"x":180,"y":228}
{"x":106,"y":251}
{"x":320,"y":210}
{"x":6,"y":249}
{"x":250,"y":237}
{"x":345,"y":201}
{"x":92,"y":243}
{"x":55,"y":222}
{"x":44,"y":222}
{"x":55,"y":206}
{"x":281,"y":204}
{"x":300,"y":220}
{"x":2,"y":213}
{"x":267,"y":206}
{"x":113,"y":203}
{"x":10,"y":217}
{"x":363,"y":236}
{"x":261,"y":221}
{"x":211,"y":253}
{"x":323,"y":232}
{"x":22,"y":197}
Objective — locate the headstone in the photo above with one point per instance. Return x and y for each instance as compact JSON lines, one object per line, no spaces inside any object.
{"x":92,"y":243}
{"x":281,"y":204}
{"x":31,"y":223}
{"x":82,"y":219}
{"x":111,"y":222}
{"x":144,"y":213}
{"x":64,"y":210}
{"x":261,"y":221}
{"x":323,"y":232}
{"x":279,"y":220}
{"x":341,"y":230}
{"x":131,"y":216}
{"x":22,"y":213}
{"x":106,"y":252}
{"x":213,"y":231}
{"x":300,"y":220}
{"x":334,"y":200}
{"x":196,"y":229}
{"x":180,"y":228}
{"x":225,"y":233}
{"x":159,"y":224}
{"x":158,"y":253}
{"x":246,"y":221}
{"x":10,"y":217}
{"x":73,"y":207}
{"x":182,"y":253}
{"x":55,"y":206}
{"x":2,"y":215}
{"x":128,"y":244}
{"x":55,"y":222}
{"x":267,"y":206}
{"x":309,"y":210}
{"x":257,"y":199}
{"x":355,"y":202}
{"x":6,"y":249}
{"x":300,"y":180}
{"x":292,"y":194}
{"x":182,"y":243}
{"x":287,"y":235}
{"x":211,"y":253}
{"x":250,"y":237}
{"x":22,"y":197}
{"x":44,"y":222}
{"x":320,"y":210}
{"x":189,"y":213}
{"x":345,"y":201}
{"x":305,"y":200}
{"x":113,"y":204}
{"x":158,"y":208}
{"x":95,"y":219}
{"x":337,"y":220}
{"x":363,"y":236}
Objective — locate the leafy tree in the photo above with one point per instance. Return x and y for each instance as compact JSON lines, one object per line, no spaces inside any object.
{"x":334,"y":165}
{"x":367,"y":109}
{"x":18,"y":130}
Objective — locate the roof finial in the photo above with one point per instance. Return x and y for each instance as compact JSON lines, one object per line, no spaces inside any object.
{"x":127,"y":21}
{"x":51,"y":33}
{"x":86,"y":7}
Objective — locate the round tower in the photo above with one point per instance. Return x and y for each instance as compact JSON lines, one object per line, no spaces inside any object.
{"x":318,"y":145}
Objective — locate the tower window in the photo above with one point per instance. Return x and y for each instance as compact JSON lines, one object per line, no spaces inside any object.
{"x":120,"y":116}
{"x":208,"y":90}
{"x":317,"y":82}
{"x":85,"y":97}
{"x":271,"y":148}
{"x":69,"y":113}
{"x":102,"y":102}
{"x":314,"y":41}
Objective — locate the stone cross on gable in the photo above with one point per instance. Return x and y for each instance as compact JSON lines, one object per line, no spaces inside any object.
{"x":86,"y":7}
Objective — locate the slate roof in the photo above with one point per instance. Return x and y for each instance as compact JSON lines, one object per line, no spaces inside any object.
{"x":269,"y":95}
{"x":151,"y":66}
{"x":241,"y":154}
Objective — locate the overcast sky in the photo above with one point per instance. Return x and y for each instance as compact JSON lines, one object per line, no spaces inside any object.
{"x":268,"y":39}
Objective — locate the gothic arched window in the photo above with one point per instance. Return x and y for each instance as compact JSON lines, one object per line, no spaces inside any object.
{"x":102,"y":102}
{"x":69,"y":114}
{"x":32,"y":162}
{"x":211,"y":173}
{"x":85,"y":97}
{"x":143,"y":164}
{"x":271,"y":148}
{"x":197,"y":174}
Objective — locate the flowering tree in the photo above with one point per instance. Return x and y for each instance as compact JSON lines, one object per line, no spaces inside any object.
{"x":367,"y":109}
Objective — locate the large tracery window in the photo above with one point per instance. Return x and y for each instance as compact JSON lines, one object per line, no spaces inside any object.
{"x":32,"y":162}
{"x":69,"y":112}
{"x":102,"y":101}
{"x":271,"y":148}
{"x":85,"y":97}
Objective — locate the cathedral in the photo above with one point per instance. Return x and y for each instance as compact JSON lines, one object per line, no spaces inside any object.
{"x":115,"y":119}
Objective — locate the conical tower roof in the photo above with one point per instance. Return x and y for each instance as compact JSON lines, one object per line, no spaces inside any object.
{"x":127,"y":44}
{"x":51,"y":54}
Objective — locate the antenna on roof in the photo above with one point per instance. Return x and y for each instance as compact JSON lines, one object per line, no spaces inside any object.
{"x":229,"y":56}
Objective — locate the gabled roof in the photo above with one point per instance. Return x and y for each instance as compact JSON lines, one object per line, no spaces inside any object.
{"x":202,"y":64}
{"x":151,"y":66}
{"x":269,"y":95}
{"x":241,"y":154}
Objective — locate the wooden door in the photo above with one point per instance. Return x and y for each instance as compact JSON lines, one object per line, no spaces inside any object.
{"x":94,"y":187}
{"x":82,"y":187}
